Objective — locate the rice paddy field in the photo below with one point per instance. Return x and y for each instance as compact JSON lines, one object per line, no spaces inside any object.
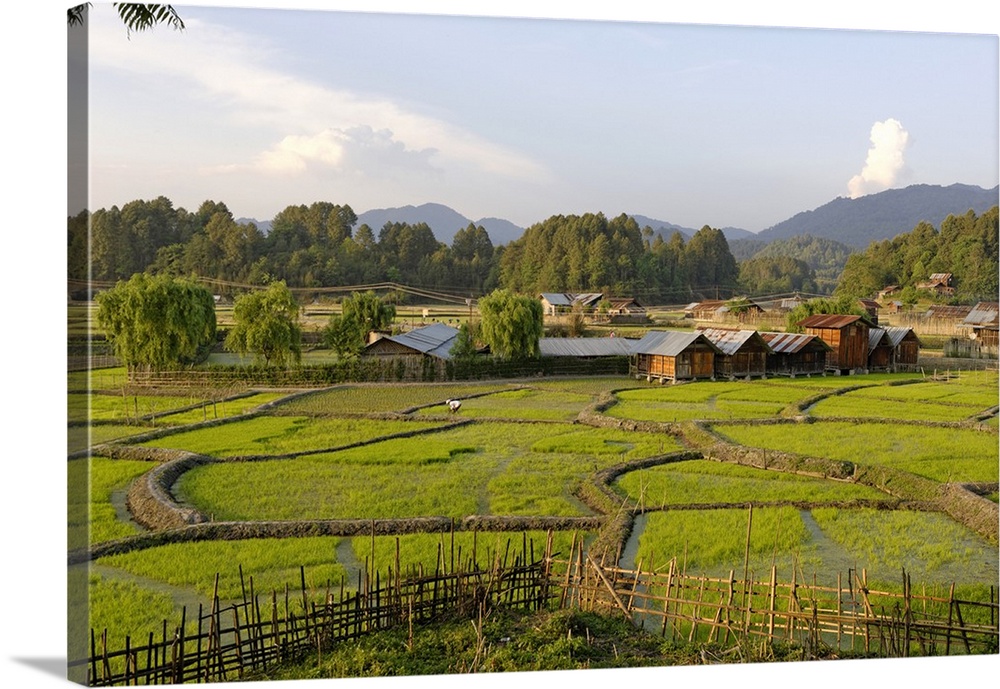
{"x":522,"y":451}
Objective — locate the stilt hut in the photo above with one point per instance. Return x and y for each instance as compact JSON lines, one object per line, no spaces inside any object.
{"x":847,"y":336}
{"x":673,"y":355}
{"x":879,"y":350}
{"x":795,"y":354}
{"x":905,"y":348}
{"x":744,"y":352}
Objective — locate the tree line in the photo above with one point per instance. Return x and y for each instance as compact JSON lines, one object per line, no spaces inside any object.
{"x":320,"y":245}
{"x":964,"y":245}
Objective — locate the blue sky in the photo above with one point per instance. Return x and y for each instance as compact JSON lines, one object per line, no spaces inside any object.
{"x":523,"y":118}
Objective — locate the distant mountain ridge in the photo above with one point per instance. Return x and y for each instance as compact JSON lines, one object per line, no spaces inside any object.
{"x":861,"y":221}
{"x":854,"y":222}
{"x":442,"y":220}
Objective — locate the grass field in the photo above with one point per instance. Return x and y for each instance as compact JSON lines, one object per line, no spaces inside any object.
{"x":701,"y":481}
{"x":523,"y":455}
{"x":940,"y":454}
{"x":269,"y":435}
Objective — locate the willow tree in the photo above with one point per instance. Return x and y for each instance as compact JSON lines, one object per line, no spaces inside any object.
{"x":511,"y":324}
{"x":158,"y":322}
{"x":266,"y":325}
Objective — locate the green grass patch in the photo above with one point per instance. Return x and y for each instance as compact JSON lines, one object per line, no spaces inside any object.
{"x":272,"y":562}
{"x":482,"y":468}
{"x":222,"y":409}
{"x":282,"y":434}
{"x":124,"y":607}
{"x":705,"y":482}
{"x":930,"y":546}
{"x":527,"y":404}
{"x":108,"y":476}
{"x":851,"y":406}
{"x":705,"y":540}
{"x":434,"y":552}
{"x":940,"y":454}
{"x":607,"y":441}
{"x":383,"y":398}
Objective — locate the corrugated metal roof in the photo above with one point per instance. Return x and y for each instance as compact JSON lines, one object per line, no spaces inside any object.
{"x":945,"y":311}
{"x":557,"y":298}
{"x":875,"y":338}
{"x":790,"y":343}
{"x":669,"y":342}
{"x":730,"y":341}
{"x":897,"y":334}
{"x":829,"y":320}
{"x":435,"y":339}
{"x":983,"y":313}
{"x":585,"y":346}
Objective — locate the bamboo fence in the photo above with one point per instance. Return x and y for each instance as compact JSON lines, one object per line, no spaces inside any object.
{"x":229,"y":642}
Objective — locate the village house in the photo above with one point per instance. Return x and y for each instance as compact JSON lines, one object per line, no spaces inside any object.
{"x":871,"y":308}
{"x":743,"y":353}
{"x":673,"y":356}
{"x":555,"y":303}
{"x":584,"y":347}
{"x":947,"y":313}
{"x":982,"y":320}
{"x":847,"y":336}
{"x":939,"y":284}
{"x":795,"y":354}
{"x":435,"y":340}
{"x":624,"y":310}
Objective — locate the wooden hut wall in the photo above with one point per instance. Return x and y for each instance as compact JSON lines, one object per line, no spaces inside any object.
{"x":850,"y":345}
{"x":908,"y":351}
{"x":880,"y":358}
{"x":749,"y":361}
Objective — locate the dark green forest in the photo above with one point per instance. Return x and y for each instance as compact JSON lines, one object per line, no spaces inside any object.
{"x":321,"y":245}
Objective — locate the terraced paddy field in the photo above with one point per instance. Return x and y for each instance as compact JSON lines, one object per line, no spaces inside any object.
{"x":538,"y":449}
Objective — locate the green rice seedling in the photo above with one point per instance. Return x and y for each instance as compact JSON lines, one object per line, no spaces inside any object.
{"x":851,"y":406}
{"x":940,"y":454}
{"x":221,"y":409}
{"x":383,"y":398}
{"x":483,"y":468}
{"x":113,"y":407}
{"x":108,"y":477}
{"x":590,"y":386}
{"x":320,"y":487}
{"x":607,"y":441}
{"x":272,"y":562}
{"x":705,"y":482}
{"x":124,"y":607}
{"x":527,"y":404}
{"x":713,"y":541}
{"x":931,"y":547}
{"x":282,"y":435}
{"x":447,"y":551}
{"x":82,"y":437}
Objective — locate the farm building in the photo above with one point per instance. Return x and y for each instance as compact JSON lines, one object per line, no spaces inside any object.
{"x":847,"y":336}
{"x":879,"y":350}
{"x":673,"y":355}
{"x":554,"y":303}
{"x":626,"y":310}
{"x":871,"y":308}
{"x":584,"y":347}
{"x":944,"y":312}
{"x":983,"y":320}
{"x":905,"y":347}
{"x":795,"y":354}
{"x":434,"y":340}
{"x":938,"y":283}
{"x":743,"y":352}
{"x":704,"y":310}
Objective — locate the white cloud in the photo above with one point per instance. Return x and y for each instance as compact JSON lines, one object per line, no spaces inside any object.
{"x":309,"y":124}
{"x":885,"y":163}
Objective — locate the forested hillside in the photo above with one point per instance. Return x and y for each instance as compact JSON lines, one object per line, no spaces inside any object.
{"x":322,"y":245}
{"x":964,"y":245}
